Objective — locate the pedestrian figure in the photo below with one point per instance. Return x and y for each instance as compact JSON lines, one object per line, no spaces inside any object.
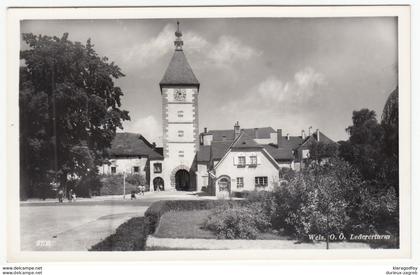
{"x":73,"y":197}
{"x":70,"y":196}
{"x":133,"y":195}
{"x":142,"y":188}
{"x":60,"y":196}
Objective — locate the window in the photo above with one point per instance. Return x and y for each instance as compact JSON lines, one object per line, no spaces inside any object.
{"x":180,"y":114}
{"x":240,"y":182}
{"x":157,"y":168}
{"x":181,"y":154}
{"x":241,"y":161}
{"x":253,"y":161}
{"x":113,"y":169}
{"x":261,"y":181}
{"x":180,"y":133}
{"x":136,"y":169}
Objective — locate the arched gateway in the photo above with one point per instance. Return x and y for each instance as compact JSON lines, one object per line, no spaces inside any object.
{"x":182,"y":180}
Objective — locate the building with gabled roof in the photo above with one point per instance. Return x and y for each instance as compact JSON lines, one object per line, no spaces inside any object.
{"x":240,"y":160}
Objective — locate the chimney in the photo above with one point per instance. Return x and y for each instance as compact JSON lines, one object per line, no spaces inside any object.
{"x":287,"y":136}
{"x":205,"y":130}
{"x":303,"y":134}
{"x":317,"y":135}
{"x":310,"y":131}
{"x":237,"y":130}
{"x":279,"y":138}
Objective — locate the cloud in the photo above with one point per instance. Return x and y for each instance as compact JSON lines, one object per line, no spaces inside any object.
{"x":229,"y":50}
{"x":225,"y":51}
{"x":149,"y":52}
{"x":147,"y":126}
{"x":274,"y":100}
{"x":305,"y":84}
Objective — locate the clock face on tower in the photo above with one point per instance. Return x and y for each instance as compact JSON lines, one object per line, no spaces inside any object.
{"x":179,"y":95}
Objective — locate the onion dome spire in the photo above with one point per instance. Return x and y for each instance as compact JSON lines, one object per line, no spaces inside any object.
{"x":178,"y":42}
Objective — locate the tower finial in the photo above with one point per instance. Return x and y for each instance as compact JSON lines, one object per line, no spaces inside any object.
{"x":178,"y":42}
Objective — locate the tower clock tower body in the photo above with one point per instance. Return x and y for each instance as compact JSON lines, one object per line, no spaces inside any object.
{"x":179,"y":89}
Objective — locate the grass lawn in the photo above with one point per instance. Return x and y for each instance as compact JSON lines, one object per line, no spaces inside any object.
{"x":184,"y":224}
{"x":189,"y":225}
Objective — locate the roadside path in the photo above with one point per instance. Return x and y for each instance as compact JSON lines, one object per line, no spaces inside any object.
{"x":50,"y":226}
{"x":154,"y":243}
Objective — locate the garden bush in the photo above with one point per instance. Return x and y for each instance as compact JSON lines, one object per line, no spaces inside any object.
{"x":130,"y":236}
{"x":238,"y":221}
{"x":113,"y":184}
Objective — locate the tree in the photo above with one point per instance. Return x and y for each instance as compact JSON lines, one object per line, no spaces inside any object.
{"x":321,"y":151}
{"x":373,"y":147}
{"x":363,"y":149}
{"x":69,"y":110}
{"x":390,"y":126}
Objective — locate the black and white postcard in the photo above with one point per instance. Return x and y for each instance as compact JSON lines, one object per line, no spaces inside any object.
{"x":209,"y":133}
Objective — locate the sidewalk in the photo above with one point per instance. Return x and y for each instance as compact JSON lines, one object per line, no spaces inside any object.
{"x":154,"y":243}
{"x":161,"y":194}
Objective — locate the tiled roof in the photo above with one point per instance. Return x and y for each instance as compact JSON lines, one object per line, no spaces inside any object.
{"x":219,"y":149}
{"x":130,"y":144}
{"x":245,"y":141}
{"x":203,"y":155}
{"x":322,"y":138}
{"x":224,"y":139}
{"x":179,"y":71}
{"x":223,"y":135}
{"x":279,"y":154}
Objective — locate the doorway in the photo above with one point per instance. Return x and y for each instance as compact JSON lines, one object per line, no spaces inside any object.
{"x":158,"y":184}
{"x":182,"y":180}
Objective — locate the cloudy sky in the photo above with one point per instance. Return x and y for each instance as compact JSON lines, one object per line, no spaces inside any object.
{"x":283,"y":73}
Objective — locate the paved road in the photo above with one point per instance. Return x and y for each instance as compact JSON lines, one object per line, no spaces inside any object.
{"x":50,"y":226}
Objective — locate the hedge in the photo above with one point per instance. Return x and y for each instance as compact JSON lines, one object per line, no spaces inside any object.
{"x":157,"y":209}
{"x":130,"y":236}
{"x":113,"y":184}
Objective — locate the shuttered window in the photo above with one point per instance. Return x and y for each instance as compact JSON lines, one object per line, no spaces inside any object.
{"x":261,"y":181}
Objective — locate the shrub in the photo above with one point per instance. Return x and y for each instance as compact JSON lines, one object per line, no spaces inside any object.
{"x":322,"y":199}
{"x":130,"y":236}
{"x":113,"y":185}
{"x":238,"y":221}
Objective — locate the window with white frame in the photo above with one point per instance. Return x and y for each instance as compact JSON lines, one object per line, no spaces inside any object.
{"x":136,"y":169}
{"x":157,"y":168}
{"x":181,"y":153}
{"x":253,"y":160}
{"x":261,"y":181}
{"x":239,"y":182}
{"x":180,"y":133}
{"x":241,"y":161}
{"x":180,"y":114}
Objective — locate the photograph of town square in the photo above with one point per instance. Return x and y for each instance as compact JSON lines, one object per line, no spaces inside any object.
{"x":223,"y":133}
